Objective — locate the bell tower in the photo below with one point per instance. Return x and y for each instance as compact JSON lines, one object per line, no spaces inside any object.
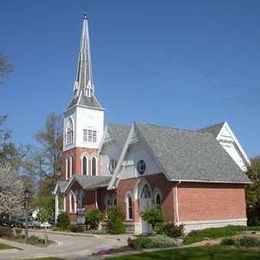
{"x":83,"y":118}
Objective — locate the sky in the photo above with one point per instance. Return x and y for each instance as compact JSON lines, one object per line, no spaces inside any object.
{"x":185,"y":64}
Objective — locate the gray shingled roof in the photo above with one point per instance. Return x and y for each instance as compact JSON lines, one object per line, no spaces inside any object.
{"x":119,"y":133}
{"x":213,"y":129}
{"x":92,"y":182}
{"x":85,"y":101}
{"x":62,"y":185}
{"x":191,"y":156}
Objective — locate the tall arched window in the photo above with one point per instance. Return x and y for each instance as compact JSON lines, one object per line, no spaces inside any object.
{"x":69,"y":166}
{"x":84,"y":165}
{"x":158,"y":200}
{"x":73,"y":202}
{"x":94,"y":166}
{"x":69,"y":132}
{"x":129,"y":207}
{"x":146,"y":192}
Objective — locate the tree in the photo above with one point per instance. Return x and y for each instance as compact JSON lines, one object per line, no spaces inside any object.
{"x":5,"y":66}
{"x":9,"y":152}
{"x":253,"y":193}
{"x":50,"y":139}
{"x":44,"y":165}
{"x":11,"y":191}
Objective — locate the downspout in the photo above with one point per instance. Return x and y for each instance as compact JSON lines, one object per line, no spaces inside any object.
{"x":96,"y":199}
{"x":177,"y":202}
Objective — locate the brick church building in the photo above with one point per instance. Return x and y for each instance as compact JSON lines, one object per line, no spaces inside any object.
{"x":195,"y":176}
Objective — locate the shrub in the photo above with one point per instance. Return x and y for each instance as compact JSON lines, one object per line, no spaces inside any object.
{"x":249,"y":242}
{"x":34,"y":240}
{"x":228,"y":242}
{"x":157,"y":241}
{"x":153,"y":216}
{"x":76,"y":228}
{"x":6,"y":232}
{"x":115,"y":221}
{"x":63,"y":221}
{"x":170,"y":230}
{"x":93,"y":218}
{"x":18,"y":231}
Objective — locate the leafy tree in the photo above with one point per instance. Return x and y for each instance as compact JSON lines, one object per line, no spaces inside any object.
{"x":50,"y":139}
{"x":253,"y":193}
{"x":11,"y":191}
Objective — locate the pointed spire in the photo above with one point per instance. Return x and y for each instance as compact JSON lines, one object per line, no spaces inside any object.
{"x":84,"y":80}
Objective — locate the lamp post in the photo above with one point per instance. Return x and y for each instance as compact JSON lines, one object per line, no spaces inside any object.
{"x":26,"y":200}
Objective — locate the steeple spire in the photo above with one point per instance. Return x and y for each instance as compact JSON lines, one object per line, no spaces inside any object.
{"x":84,"y":79}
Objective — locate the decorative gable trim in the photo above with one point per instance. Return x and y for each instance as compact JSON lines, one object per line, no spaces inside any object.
{"x":232,"y":135}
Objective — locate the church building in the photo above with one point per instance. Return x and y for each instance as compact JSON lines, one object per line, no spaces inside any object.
{"x":197,"y":177}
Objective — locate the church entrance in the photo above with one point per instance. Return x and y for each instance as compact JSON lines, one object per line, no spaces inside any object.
{"x":145,"y":201}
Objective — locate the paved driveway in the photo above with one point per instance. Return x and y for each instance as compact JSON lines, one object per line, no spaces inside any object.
{"x":67,"y":246}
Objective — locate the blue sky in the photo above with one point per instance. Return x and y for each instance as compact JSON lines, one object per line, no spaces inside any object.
{"x":186,"y":64}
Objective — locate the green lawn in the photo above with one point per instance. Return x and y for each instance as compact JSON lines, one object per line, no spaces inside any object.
{"x":4,"y":246}
{"x":196,"y":253}
{"x":213,"y":233}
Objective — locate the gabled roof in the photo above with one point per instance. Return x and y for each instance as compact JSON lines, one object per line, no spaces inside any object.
{"x":60,"y":187}
{"x":118,"y":133}
{"x":90,"y":182}
{"x":213,"y":129}
{"x":190,"y":156}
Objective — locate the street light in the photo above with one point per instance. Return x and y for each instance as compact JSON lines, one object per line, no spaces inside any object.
{"x":26,"y":199}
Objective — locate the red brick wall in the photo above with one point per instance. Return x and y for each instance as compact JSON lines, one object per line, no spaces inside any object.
{"x":198,"y":201}
{"x":76,"y":166}
{"x":155,"y":181}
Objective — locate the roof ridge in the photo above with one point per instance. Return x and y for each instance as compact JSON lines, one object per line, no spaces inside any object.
{"x":170,"y":127}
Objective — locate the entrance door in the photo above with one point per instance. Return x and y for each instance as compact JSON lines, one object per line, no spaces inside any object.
{"x":145,"y":202}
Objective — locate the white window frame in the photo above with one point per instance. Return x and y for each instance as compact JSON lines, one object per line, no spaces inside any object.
{"x":69,"y":137}
{"x":82,"y":164}
{"x":89,"y":135}
{"x":129,"y":195}
{"x":72,"y":194}
{"x":92,"y":166}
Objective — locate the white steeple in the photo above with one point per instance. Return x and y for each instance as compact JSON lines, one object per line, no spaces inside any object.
{"x":84,"y":78}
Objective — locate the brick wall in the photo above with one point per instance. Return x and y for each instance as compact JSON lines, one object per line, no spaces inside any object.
{"x":76,"y":166}
{"x":199,"y":201}
{"x":156,"y":181}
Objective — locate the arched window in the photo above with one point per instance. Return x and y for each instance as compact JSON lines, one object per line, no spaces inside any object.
{"x":69,"y":166}
{"x":73,"y":202}
{"x":94,"y":166}
{"x":146,"y":192}
{"x":129,"y":207}
{"x":84,"y":165}
{"x":158,"y":200}
{"x":69,"y":132}
{"x":80,"y":198}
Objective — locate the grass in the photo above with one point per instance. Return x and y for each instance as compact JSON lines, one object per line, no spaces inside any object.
{"x":213,"y":233}
{"x":4,"y":246}
{"x":201,"y":253}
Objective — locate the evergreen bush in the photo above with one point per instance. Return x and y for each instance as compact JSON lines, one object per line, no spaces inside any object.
{"x":93,"y":218}
{"x":170,"y":230}
{"x":76,"y":228}
{"x":115,"y":221}
{"x":6,"y":232}
{"x":63,"y":221}
{"x":153,"y":216}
